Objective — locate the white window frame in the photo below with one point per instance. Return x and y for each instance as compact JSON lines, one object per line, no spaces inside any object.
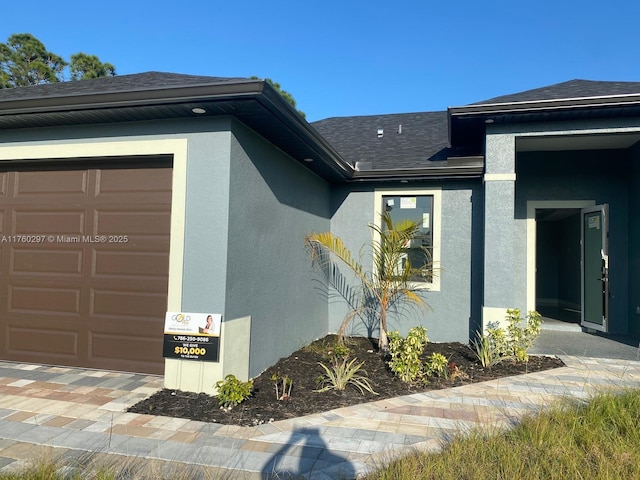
{"x":436,"y":194}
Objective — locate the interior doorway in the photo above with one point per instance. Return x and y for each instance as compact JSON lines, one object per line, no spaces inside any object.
{"x":558,"y":266}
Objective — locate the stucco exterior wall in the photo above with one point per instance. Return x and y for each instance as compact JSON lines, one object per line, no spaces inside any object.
{"x":455,"y":309}
{"x":274,"y":202}
{"x":634,"y":240}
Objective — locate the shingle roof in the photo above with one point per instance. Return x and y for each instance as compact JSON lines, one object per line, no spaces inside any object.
{"x":160,"y":96}
{"x":409,"y":140}
{"x":121,"y":83}
{"x":568,"y":90}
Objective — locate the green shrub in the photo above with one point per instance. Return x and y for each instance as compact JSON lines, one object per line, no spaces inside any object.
{"x":343,"y":372}
{"x":437,"y":366}
{"x":521,"y":338}
{"x":405,"y":354}
{"x":513,"y":341}
{"x":232,"y":391}
{"x":341,"y":351}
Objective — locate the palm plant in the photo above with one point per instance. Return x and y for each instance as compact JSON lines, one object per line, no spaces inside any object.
{"x":390,"y":279}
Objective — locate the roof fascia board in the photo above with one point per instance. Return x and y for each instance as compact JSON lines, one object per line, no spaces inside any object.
{"x":157,"y":96}
{"x":430,"y":173}
{"x":538,"y":105}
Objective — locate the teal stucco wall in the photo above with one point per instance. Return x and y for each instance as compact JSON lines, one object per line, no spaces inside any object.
{"x":453,"y":312}
{"x":634,"y":240}
{"x":273,"y":203}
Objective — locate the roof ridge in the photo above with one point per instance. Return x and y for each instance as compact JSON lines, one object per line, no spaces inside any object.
{"x":570,"y":89}
{"x":380,"y":115}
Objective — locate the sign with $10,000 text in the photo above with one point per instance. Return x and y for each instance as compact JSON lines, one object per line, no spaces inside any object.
{"x":192,"y":336}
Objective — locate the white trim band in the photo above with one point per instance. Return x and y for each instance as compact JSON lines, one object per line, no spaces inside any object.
{"x":499,"y":177}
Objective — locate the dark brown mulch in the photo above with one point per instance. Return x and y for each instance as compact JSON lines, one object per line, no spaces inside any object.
{"x":302,"y":367}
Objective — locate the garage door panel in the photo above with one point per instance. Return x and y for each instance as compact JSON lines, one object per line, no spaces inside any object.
{"x":49,"y":261}
{"x":134,"y":327}
{"x":149,"y":223}
{"x":127,"y":264}
{"x":102,"y":345}
{"x":128,"y":304}
{"x":114,"y":183}
{"x":40,"y":184}
{"x":45,"y":221}
{"x":44,"y":300}
{"x":43,"y":341}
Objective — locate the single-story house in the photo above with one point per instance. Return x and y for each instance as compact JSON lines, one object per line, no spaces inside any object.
{"x":123,"y":198}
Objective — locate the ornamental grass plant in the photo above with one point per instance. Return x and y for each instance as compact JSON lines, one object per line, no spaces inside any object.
{"x":596,"y":439}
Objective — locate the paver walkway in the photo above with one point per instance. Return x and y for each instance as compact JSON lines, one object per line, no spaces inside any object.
{"x":79,"y":415}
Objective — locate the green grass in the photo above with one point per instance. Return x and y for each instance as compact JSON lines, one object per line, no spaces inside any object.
{"x":95,"y":466}
{"x":599,"y":439}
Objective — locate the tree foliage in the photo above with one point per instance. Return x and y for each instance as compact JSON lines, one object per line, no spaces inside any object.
{"x":84,"y":66}
{"x":286,"y":95}
{"x":24,"y":61}
{"x":390,"y":279}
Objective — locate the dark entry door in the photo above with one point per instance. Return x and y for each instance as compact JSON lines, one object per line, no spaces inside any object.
{"x":595,"y":267}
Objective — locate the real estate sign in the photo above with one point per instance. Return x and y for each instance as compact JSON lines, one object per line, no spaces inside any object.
{"x":192,"y":336}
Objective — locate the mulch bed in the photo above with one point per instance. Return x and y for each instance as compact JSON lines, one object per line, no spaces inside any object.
{"x":303,"y":368}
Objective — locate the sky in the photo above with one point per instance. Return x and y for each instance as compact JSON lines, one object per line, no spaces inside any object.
{"x":351,"y":57}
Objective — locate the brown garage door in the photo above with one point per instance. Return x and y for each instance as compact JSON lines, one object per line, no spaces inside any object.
{"x":84,"y":265}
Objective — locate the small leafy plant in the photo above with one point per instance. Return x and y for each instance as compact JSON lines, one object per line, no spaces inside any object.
{"x":513,"y":341}
{"x":283,"y":385}
{"x":437,"y":366}
{"x":343,"y":372}
{"x":232,"y":392}
{"x":499,"y":339}
{"x":521,"y":338}
{"x":405,"y":354}
{"x":340,"y":350}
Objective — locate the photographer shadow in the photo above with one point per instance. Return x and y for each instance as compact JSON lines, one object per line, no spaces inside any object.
{"x":305,"y":455}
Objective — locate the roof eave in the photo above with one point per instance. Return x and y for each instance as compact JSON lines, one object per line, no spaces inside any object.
{"x":467,"y":123}
{"x":276,"y":104}
{"x":414,"y":174}
{"x":549,"y":105}
{"x":132,"y":98}
{"x":254,"y":89}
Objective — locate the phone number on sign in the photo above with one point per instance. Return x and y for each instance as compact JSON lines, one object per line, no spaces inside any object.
{"x":64,"y":238}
